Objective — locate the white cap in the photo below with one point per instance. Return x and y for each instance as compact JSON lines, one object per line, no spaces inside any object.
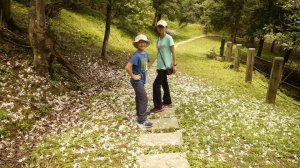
{"x":162,"y":23}
{"x":139,"y":38}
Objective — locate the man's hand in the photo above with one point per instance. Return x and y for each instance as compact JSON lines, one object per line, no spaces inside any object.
{"x":174,"y":69}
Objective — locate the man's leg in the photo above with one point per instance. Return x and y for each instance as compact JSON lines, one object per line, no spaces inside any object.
{"x":156,"y":90}
{"x":165,"y":86}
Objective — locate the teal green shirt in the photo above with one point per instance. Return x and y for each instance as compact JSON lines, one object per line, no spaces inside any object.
{"x":163,"y":47}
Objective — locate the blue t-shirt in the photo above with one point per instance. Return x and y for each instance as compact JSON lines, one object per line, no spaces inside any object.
{"x":139,"y":63}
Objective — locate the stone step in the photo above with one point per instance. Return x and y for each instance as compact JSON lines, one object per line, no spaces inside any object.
{"x":164,"y":123}
{"x":161,"y":139}
{"x":166,"y":160}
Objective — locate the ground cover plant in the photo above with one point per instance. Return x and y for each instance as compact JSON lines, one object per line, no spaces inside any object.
{"x":65,"y":122}
{"x":226,"y":122}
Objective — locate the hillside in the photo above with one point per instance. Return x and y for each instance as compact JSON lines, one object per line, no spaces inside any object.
{"x":64,"y":121}
{"x":32,"y":106}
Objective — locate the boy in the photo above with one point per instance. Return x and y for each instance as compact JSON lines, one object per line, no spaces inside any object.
{"x":137,"y":69}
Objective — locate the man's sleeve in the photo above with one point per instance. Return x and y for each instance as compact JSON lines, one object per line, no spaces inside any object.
{"x":134,"y":60}
{"x":171,"y":41}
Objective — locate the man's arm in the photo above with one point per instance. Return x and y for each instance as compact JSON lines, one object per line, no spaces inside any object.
{"x":174,"y":57}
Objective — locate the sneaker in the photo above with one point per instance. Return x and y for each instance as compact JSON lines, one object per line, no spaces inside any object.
{"x":168,"y":105}
{"x":156,"y":110}
{"x":146,"y":124}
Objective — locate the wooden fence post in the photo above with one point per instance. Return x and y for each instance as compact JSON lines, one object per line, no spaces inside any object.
{"x":250,"y":64}
{"x":275,"y":79}
{"x":237,"y":57}
{"x":222,"y":48}
{"x":228,"y":51}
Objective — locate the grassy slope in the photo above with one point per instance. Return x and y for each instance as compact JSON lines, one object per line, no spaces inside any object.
{"x":219,"y":73}
{"x":107,"y":139}
{"x":111,"y":141}
{"x":229,"y":122}
{"x":89,"y":31}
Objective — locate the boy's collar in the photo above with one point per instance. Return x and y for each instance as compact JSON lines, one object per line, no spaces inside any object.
{"x":142,"y":52}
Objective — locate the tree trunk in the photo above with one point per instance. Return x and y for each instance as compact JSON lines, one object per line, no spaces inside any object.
{"x":39,"y":38}
{"x":107,"y":28}
{"x":260,"y":47}
{"x":251,"y":42}
{"x":67,"y":2}
{"x":5,"y":12}
{"x":155,"y":19}
{"x":273,"y":45}
{"x":159,"y":15}
{"x":235,"y":27}
{"x":286,"y":55}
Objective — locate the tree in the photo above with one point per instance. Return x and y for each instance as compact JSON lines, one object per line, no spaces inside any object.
{"x":170,"y":8}
{"x":235,"y":8}
{"x":214,"y":17}
{"x":289,"y":31}
{"x":5,"y":11}
{"x":133,"y":16}
{"x":107,"y":27}
{"x":39,"y":38}
{"x":222,"y":15}
{"x":190,"y":11}
{"x":258,"y":17}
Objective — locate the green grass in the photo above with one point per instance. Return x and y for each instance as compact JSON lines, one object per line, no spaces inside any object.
{"x":194,"y":62}
{"x":81,"y":33}
{"x":184,"y":32}
{"x":226,"y":122}
{"x":92,"y":144}
{"x":103,"y":136}
{"x":20,"y":14}
{"x":266,"y":54}
{"x":88,"y":32}
{"x":223,"y":124}
{"x":221,"y":116}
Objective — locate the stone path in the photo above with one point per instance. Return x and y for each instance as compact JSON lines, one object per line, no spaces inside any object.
{"x":165,"y":160}
{"x":163,"y":121}
{"x":161,"y":139}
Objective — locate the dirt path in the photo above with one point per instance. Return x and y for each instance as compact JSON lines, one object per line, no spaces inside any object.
{"x":194,"y":38}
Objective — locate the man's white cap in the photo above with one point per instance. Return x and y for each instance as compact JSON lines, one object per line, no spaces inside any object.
{"x":162,"y":23}
{"x":139,"y":38}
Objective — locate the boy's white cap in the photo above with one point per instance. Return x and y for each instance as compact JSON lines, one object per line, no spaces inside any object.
{"x":139,"y":38}
{"x":162,"y":23}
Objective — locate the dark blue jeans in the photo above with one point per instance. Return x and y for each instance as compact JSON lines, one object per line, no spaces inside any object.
{"x":161,"y":80}
{"x":141,"y":101}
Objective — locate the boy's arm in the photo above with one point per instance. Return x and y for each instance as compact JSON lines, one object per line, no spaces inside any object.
{"x":128,"y":68}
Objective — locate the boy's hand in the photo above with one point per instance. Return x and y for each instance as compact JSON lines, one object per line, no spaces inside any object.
{"x":136,"y":77}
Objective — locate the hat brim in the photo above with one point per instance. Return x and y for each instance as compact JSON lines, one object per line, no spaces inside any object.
{"x":160,"y":25}
{"x":135,"y":43}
